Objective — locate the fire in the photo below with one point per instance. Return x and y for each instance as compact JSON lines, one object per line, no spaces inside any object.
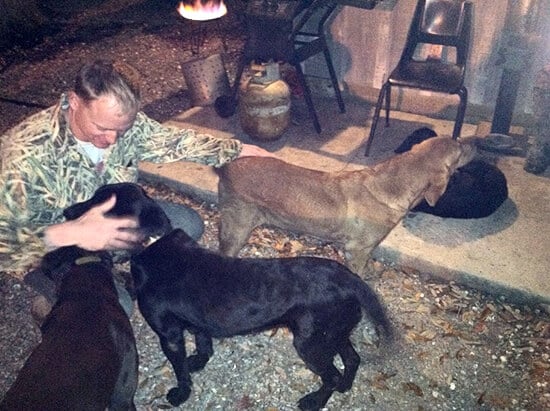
{"x":212,"y":9}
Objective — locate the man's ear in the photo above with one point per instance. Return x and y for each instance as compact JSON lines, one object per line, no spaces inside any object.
{"x":74,"y":100}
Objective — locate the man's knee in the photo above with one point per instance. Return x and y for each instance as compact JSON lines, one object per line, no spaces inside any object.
{"x":183,"y":217}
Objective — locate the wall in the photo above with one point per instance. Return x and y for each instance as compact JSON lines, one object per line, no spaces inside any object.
{"x":366,"y":45}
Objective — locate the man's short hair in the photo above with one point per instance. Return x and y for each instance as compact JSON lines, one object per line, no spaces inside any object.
{"x":103,"y":77}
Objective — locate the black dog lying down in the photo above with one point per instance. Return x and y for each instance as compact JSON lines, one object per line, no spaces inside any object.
{"x":475,"y":190}
{"x":87,"y":359}
{"x":181,"y":286}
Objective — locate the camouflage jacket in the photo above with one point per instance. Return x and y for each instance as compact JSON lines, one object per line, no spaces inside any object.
{"x":42,"y":171}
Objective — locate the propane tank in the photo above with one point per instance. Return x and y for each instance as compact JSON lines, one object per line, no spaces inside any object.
{"x":264,"y":103}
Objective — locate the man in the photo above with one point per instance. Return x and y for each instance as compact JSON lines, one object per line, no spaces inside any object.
{"x":95,"y":135}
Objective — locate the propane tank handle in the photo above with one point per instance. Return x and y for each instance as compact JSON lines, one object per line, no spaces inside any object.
{"x":266,"y":72}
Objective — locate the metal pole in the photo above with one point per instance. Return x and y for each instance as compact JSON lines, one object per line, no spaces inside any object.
{"x":516,"y":56}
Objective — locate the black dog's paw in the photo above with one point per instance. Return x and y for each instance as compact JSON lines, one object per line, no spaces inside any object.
{"x":178,"y":395}
{"x":310,"y":402}
{"x":344,"y":385}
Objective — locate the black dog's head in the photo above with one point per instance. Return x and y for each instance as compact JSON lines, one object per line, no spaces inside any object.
{"x":164,"y":249}
{"x":417,"y":136}
{"x":131,"y":200}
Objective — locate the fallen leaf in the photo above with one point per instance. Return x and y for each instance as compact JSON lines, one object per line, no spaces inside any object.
{"x":411,"y":386}
{"x":480,"y":327}
{"x":481,"y":398}
{"x":380,"y":379}
{"x":424,"y":336}
{"x":372,"y":398}
{"x":444,"y":325}
{"x":296,"y":246}
{"x":244,"y":403}
{"x":540,"y":369}
{"x":515,"y":312}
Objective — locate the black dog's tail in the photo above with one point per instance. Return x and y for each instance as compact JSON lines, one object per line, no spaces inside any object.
{"x":373,"y":308}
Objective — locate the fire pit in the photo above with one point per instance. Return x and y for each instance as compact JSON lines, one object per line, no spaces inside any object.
{"x":206,"y":78}
{"x":204,"y":18}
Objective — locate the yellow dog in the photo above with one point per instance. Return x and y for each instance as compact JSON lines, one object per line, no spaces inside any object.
{"x":355,"y":208}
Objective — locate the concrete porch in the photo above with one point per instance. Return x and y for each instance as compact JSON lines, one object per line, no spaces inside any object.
{"x":505,"y":254}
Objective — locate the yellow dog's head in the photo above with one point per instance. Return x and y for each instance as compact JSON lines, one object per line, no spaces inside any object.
{"x":439,"y":157}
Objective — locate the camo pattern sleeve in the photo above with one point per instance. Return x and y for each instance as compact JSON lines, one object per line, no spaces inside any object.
{"x":31,"y":195}
{"x":151,"y":141}
{"x":43,"y":171}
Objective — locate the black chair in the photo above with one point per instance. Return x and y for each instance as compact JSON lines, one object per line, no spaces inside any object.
{"x":286,"y":39}
{"x":435,"y":22}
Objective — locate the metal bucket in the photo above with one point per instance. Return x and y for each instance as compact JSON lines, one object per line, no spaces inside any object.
{"x":206,"y":79}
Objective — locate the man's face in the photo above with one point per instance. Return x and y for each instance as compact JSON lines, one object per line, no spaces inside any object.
{"x":100,"y":121}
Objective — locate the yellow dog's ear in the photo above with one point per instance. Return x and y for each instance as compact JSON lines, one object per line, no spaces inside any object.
{"x":436,"y":188}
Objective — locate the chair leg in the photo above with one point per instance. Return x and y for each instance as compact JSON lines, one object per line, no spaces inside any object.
{"x":463,"y":94}
{"x":240,"y":70}
{"x":376,"y":117}
{"x":307,"y":96}
{"x":334,"y":80}
{"x":388,"y":103}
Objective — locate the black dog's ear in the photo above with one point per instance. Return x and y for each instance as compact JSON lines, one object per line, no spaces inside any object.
{"x":153,"y":220}
{"x":76,"y":210}
{"x":416,"y":137}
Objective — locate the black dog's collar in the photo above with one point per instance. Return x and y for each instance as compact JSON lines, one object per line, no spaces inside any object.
{"x":87,"y":260}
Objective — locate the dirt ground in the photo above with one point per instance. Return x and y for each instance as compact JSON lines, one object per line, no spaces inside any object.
{"x":457,"y":348}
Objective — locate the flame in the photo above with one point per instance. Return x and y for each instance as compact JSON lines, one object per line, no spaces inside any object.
{"x":212,"y":9}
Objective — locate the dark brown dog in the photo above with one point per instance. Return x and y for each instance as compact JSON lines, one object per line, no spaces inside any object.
{"x":87,"y":359}
{"x":183,"y":287}
{"x":355,"y":208}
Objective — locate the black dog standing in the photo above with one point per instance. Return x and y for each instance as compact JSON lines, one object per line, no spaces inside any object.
{"x":181,"y":286}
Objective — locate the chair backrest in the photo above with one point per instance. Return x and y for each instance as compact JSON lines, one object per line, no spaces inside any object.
{"x":441,"y":22}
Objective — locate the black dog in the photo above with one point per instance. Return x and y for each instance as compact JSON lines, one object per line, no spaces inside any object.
{"x":475,"y":190}
{"x":87,"y":359}
{"x":181,"y":286}
{"x":132,"y":200}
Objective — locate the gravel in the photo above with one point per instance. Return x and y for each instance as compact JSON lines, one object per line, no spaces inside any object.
{"x":457,"y":348}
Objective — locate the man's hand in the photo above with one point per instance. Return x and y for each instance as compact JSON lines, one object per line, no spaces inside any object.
{"x":94,"y":231}
{"x":250,"y":150}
